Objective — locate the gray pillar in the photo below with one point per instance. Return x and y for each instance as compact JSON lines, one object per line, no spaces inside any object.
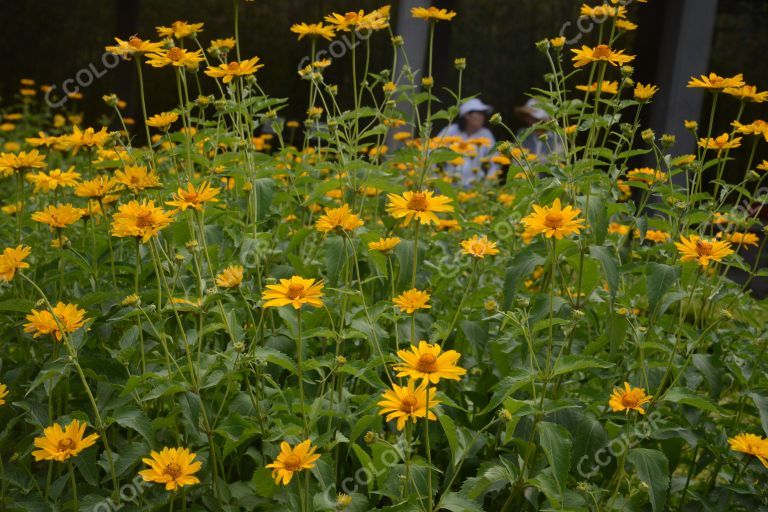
{"x":415,"y":33}
{"x":686,"y":39}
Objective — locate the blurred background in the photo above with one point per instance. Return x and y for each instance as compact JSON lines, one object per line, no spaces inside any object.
{"x":51,"y":41}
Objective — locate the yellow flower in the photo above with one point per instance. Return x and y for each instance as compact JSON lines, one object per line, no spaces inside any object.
{"x":735,"y":238}
{"x":747,"y":93}
{"x":54,"y":179}
{"x":137,"y":178}
{"x":163,"y":120}
{"x":96,"y":188}
{"x":714,"y":82}
{"x":600,"y":53}
{"x":12,"y":259}
{"x":66,"y":318}
{"x":645,"y":92}
{"x":180,"y":29}
{"x":60,"y":444}
{"x":626,"y":25}
{"x":3,"y":393}
{"x":647,"y":175}
{"x":408,"y":402}
{"x":313,"y":30}
{"x":347,"y":21}
{"x":629,"y":399}
{"x":338,"y":219}
{"x":479,"y":247}
{"x":448,"y":225}
{"x":720,"y":142}
{"x":384,"y":244}
{"x":88,"y":139}
{"x":553,"y":221}
{"x":422,"y":205}
{"x":432,"y":13}
{"x":59,"y":216}
{"x":606,"y":87}
{"x":701,"y":250}
{"x":295,"y":291}
{"x":10,"y":162}
{"x":601,"y":12}
{"x":751,"y":445}
{"x":228,"y":71}
{"x":292,"y":460}
{"x":133,"y":45}
{"x":557,"y":42}
{"x":174,"y":467}
{"x":222,"y":45}
{"x":230,"y":277}
{"x":141,"y":220}
{"x":411,"y":300}
{"x":427,"y":362}
{"x":618,"y":229}
{"x":657,"y":236}
{"x":194,"y":197}
{"x":177,"y":57}
{"x":757,"y":127}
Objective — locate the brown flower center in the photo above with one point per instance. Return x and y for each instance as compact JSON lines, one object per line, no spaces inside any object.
{"x":427,"y":363}
{"x":408,"y":403}
{"x":66,"y":444}
{"x":233,"y":66}
{"x":601,"y":51}
{"x":554,"y":220}
{"x":135,"y":42}
{"x":175,"y":54}
{"x":630,"y":401}
{"x":143,"y":220}
{"x":173,"y":470}
{"x":418,"y":202}
{"x":292,"y":462}
{"x":703,"y":248}
{"x":295,"y":291}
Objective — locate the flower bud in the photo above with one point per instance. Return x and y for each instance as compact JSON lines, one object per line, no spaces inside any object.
{"x":460,"y":64}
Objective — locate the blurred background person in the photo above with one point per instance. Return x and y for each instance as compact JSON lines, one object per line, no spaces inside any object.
{"x":471,"y":137}
{"x":540,"y":141}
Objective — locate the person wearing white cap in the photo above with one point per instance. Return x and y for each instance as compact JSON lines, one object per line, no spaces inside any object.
{"x":531,"y":115}
{"x":472,"y":126}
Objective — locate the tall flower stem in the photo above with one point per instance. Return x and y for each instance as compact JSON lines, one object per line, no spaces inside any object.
{"x":300,"y":373}
{"x":71,"y":469}
{"x":429,"y":452}
{"x":144,"y":110}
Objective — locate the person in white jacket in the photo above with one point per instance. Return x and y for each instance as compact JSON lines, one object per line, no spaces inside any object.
{"x":472,"y":125}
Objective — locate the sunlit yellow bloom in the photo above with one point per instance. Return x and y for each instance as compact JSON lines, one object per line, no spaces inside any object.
{"x":751,"y":445}
{"x":720,"y":142}
{"x":12,"y":259}
{"x":479,"y":247}
{"x":618,"y":229}
{"x":347,"y":21}
{"x":506,"y":199}
{"x":655,"y":235}
{"x":59,"y":444}
{"x":384,"y":244}
{"x":758,"y":127}
{"x":553,"y":221}
{"x":557,"y":42}
{"x":714,"y":82}
{"x":59,"y":216}
{"x":601,"y":12}
{"x":140,"y":220}
{"x":3,"y":393}
{"x":736,"y":238}
{"x":626,"y":25}
{"x":54,"y":179}
{"x":174,"y":467}
{"x":137,"y":178}
{"x":133,"y":46}
{"x":606,"y":87}
{"x":292,"y":460}
{"x":427,"y":361}
{"x":378,"y":19}
{"x":645,"y":92}
{"x":180,"y":29}
{"x":313,"y":30}
{"x":89,"y":139}
{"x":340,"y":218}
{"x":97,"y":188}
{"x":747,"y":93}
{"x":228,"y":71}
{"x":628,"y":399}
{"x":194,"y":197}
{"x":432,"y":13}
{"x":600,"y":53}
{"x":163,"y":121}
{"x":448,"y":225}
{"x":65,"y":319}
{"x":230,"y":277}
{"x":295,"y":291}
{"x":403,"y":403}
{"x":222,"y":45}
{"x":647,"y":175}
{"x":701,"y":250}
{"x":763,"y":166}
{"x":177,"y":57}
{"x":411,"y":300}
{"x":422,"y":205}
{"x":23,"y":161}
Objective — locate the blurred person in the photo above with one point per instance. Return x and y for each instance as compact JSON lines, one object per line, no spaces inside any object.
{"x":474,"y":141}
{"x":541,"y":141}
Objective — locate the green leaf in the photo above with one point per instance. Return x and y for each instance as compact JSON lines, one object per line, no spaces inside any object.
{"x":659,"y":278}
{"x":334,"y":257}
{"x":449,"y":427}
{"x":556,"y":442}
{"x":653,"y":469}
{"x":685,"y":397}
{"x":568,"y":364}
{"x":598,"y":219}
{"x":610,"y":269}
{"x":522,"y":266}
{"x":129,"y":416}
{"x":455,"y":502}
{"x":761,"y":403}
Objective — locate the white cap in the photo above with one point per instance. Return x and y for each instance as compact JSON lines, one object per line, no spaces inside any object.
{"x":474,"y":105}
{"x":531,"y":108}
